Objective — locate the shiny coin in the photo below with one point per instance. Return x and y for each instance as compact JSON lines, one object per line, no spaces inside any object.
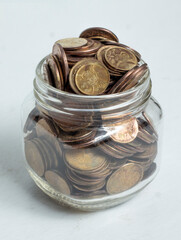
{"x":34,"y":158}
{"x":57,"y":181}
{"x":92,"y":78}
{"x":124,"y":131}
{"x":120,"y":58}
{"x":124,"y":178}
{"x":72,"y":43}
{"x":101,"y":32}
{"x":84,"y":159}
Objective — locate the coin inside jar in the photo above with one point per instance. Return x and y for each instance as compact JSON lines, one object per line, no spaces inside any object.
{"x":124,"y":178}
{"x":124,"y":131}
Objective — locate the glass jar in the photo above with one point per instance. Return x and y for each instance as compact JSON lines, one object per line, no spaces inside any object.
{"x":91,"y":152}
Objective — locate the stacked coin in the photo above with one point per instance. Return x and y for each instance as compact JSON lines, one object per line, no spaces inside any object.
{"x":93,"y":64}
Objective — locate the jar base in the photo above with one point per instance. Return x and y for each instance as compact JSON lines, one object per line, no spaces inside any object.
{"x":92,"y":204}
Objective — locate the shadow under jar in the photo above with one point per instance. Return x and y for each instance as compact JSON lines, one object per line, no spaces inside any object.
{"x":91,"y":152}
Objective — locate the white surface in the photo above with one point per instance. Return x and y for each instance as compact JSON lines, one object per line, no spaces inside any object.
{"x":28,"y":29}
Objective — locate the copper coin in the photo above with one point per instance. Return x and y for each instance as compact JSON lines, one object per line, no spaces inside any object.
{"x":120,"y":58}
{"x":126,"y":177}
{"x":34,"y":158}
{"x":47,"y":74}
{"x":60,"y":53}
{"x":98,"y":31}
{"x":55,"y":72}
{"x":57,"y":181}
{"x":92,"y":78}
{"x":124,"y":131}
{"x":72,"y":43}
{"x":86,"y":52}
{"x":108,"y":42}
{"x":84,"y":159}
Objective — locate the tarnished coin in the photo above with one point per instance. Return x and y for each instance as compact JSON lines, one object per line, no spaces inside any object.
{"x":34,"y":158}
{"x":92,"y":78}
{"x":84,"y":159}
{"x":124,"y":131}
{"x":124,"y":178}
{"x":99,"y":32}
{"x":120,"y":58}
{"x":57,"y":181}
{"x":72,"y":43}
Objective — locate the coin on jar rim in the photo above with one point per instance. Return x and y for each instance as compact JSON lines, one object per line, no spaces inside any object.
{"x":59,"y":52}
{"x":84,"y":159}
{"x":92,"y":78}
{"x":99,"y":31}
{"x":72,"y":43}
{"x":57,"y":181}
{"x":124,"y":178}
{"x":34,"y":158}
{"x":48,"y":78}
{"x":124,"y":131}
{"x":120,"y":58}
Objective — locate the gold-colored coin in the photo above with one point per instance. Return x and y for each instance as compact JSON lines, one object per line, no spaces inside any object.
{"x":72,"y":43}
{"x":120,"y":58}
{"x":92,"y":78}
{"x":84,"y":159}
{"x":124,"y":131}
{"x":124,"y":178}
{"x":57,"y":181}
{"x":34,"y":158}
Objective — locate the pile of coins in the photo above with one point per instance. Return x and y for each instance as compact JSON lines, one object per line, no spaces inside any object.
{"x":74,"y":163}
{"x":95,"y":63}
{"x":75,"y":147}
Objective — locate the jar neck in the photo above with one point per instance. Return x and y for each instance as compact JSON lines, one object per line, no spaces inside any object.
{"x":132,"y":101}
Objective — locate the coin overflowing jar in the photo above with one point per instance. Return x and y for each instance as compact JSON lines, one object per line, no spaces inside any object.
{"x":91,"y":127}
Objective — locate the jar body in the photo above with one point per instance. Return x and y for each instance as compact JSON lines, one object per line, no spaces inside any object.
{"x":91,"y":153}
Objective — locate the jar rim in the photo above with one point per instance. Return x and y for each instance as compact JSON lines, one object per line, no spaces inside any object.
{"x":39,"y":79}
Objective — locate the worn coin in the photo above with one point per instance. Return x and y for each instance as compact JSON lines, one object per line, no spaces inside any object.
{"x":120,"y":58}
{"x":124,"y":178}
{"x":34,"y":158}
{"x":72,"y":43}
{"x":57,"y":181}
{"x":84,"y":159}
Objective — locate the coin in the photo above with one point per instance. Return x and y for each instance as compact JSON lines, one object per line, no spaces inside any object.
{"x":84,"y":159}
{"x":126,"y":177}
{"x":55,"y":72}
{"x":59,"y":52}
{"x":137,"y":54}
{"x":34,"y":158}
{"x":57,"y":181}
{"x":124,"y":131}
{"x":120,"y":58}
{"x":150,"y":171}
{"x":47,"y":74}
{"x":98,"y":31}
{"x":92,"y":78}
{"x":72,"y":43}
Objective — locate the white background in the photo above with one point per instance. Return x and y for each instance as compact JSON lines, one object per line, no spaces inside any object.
{"x":28,"y":30}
